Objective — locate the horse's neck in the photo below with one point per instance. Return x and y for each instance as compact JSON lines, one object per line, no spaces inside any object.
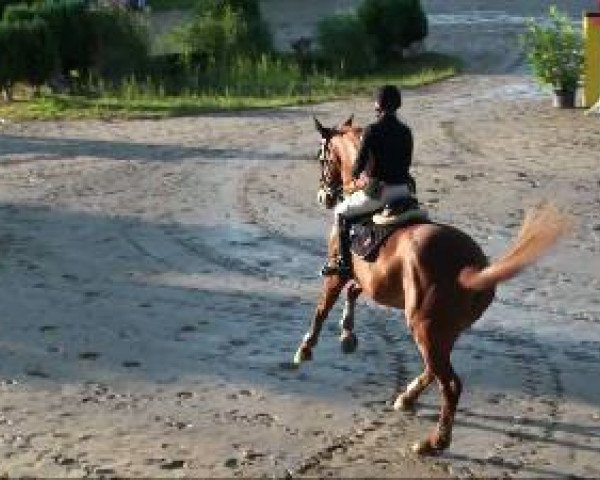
{"x":348,"y":145}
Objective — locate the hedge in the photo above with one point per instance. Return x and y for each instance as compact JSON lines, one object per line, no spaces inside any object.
{"x":29,"y":53}
{"x":65,"y":37}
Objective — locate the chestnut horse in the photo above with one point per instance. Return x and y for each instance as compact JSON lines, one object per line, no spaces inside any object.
{"x":437,"y":274}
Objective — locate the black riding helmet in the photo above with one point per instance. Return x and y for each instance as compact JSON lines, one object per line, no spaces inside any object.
{"x":389,"y":98}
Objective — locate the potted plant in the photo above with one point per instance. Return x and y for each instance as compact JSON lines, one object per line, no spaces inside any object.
{"x":555,"y":53}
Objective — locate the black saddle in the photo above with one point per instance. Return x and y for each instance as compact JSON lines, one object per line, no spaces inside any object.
{"x":367,"y":237}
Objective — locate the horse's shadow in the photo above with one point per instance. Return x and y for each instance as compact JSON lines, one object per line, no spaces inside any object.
{"x":507,"y":464}
{"x":471,"y":419}
{"x":466,"y":416}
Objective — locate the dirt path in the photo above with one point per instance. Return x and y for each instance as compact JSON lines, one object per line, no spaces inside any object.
{"x":156,"y":277}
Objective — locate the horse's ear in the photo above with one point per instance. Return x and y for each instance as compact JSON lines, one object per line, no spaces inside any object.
{"x":325,"y":132}
{"x":348,"y":123}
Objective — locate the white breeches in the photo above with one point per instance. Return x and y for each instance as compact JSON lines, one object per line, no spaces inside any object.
{"x":359,"y":203}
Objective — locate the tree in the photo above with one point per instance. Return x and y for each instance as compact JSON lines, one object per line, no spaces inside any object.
{"x":392,"y":25}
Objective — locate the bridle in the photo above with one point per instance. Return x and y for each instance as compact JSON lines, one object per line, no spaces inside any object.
{"x":328,"y":185}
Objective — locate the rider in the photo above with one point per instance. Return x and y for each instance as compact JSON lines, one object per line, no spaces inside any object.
{"x":380,"y":172}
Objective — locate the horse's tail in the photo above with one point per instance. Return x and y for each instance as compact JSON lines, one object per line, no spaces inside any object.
{"x":542,"y":227}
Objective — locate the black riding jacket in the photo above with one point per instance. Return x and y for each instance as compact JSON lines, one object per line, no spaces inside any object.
{"x":389,"y":143}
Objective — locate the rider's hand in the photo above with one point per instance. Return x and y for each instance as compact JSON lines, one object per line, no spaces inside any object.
{"x":353,"y":186}
{"x":359,"y":183}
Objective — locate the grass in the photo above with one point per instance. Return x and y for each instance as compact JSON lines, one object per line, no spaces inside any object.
{"x":75,"y":107}
{"x":138,"y":102}
{"x":419,"y":71}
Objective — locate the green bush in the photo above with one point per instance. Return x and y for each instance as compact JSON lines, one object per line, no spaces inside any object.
{"x":108,"y":42}
{"x":38,"y":51}
{"x":69,"y":22}
{"x":555,"y":51}
{"x":392,"y":25}
{"x":246,"y":76}
{"x":344,"y":44}
{"x":10,"y":58}
{"x":170,"y":70}
{"x":223,"y":30}
{"x":18,"y":12}
{"x":6,"y":3}
{"x":223,"y":46}
{"x":29,"y":53}
{"x":120,"y":43}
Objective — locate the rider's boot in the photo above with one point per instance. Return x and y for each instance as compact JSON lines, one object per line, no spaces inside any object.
{"x":342,"y":264}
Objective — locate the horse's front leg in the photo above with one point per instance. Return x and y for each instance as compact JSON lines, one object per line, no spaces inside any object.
{"x":348,"y":339}
{"x":332,"y":286}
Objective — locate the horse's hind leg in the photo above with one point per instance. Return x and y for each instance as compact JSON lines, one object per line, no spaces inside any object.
{"x":436,"y":355}
{"x":348,"y":339}
{"x":450,"y":388}
{"x":406,"y":399}
{"x":332,"y":286}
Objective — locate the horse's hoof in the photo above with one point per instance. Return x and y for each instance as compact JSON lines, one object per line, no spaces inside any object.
{"x":304,"y":354}
{"x":424,"y":447}
{"x":432,"y":445}
{"x":442,"y":440}
{"x":349,"y":343}
{"x":404,"y":403}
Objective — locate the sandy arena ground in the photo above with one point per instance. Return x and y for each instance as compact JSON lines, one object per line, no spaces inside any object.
{"x":157,"y":276}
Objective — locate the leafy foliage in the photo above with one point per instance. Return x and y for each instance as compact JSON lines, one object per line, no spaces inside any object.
{"x":222,"y":30}
{"x":6,"y":3}
{"x":373,"y":37}
{"x":392,"y":25}
{"x":9,"y":60}
{"x":15,"y":12}
{"x":225,"y":45}
{"x":29,"y":53}
{"x":344,"y":44}
{"x":148,"y":97}
{"x":38,"y":52}
{"x":70,"y":25}
{"x":119,"y":43}
{"x":227,"y":62}
{"x":555,"y":51}
{"x":67,"y":38}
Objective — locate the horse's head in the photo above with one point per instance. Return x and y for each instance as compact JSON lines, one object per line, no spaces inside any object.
{"x":336,"y":156}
